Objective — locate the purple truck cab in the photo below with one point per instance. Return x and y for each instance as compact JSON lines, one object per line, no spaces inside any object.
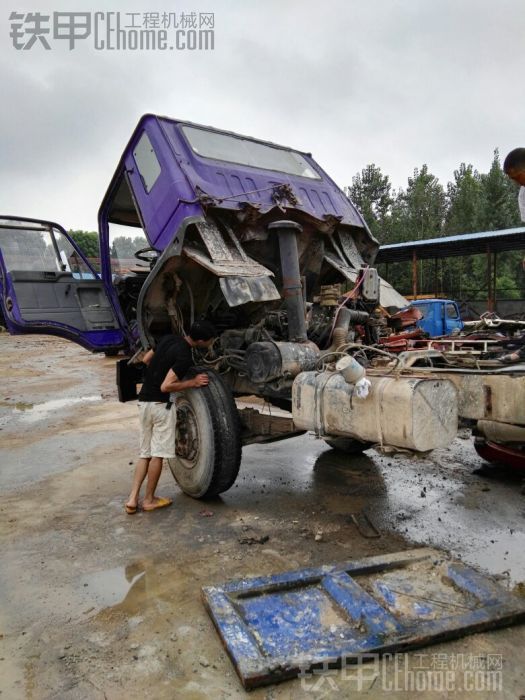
{"x":254,"y":236}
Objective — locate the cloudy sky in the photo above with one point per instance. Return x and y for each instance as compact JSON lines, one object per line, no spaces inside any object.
{"x":392,"y":82}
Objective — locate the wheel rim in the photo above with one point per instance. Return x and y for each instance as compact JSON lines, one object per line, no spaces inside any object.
{"x":187,"y":440}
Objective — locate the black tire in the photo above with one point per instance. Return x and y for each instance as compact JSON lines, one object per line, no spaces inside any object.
{"x":208,"y":440}
{"x":348,"y":445}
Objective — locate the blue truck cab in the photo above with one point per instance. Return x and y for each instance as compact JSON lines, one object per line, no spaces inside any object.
{"x":440,"y":316}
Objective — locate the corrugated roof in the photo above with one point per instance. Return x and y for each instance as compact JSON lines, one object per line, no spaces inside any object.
{"x":448,"y":246}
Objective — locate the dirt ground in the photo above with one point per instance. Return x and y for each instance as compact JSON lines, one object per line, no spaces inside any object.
{"x":98,"y":604}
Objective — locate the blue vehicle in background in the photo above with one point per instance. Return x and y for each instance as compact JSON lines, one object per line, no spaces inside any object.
{"x":440,"y":316}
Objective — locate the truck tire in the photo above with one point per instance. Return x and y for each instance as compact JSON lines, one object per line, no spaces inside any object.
{"x":208,"y":443}
{"x":348,"y":445}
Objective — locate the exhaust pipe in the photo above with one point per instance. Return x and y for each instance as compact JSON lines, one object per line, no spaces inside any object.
{"x":291,"y":276}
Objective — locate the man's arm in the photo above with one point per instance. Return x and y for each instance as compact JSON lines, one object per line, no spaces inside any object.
{"x":173,"y":383}
{"x":147,"y":357}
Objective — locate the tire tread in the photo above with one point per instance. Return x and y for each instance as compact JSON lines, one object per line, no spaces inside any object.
{"x":226,"y":428}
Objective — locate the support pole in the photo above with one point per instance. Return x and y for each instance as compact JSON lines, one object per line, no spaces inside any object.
{"x":494,"y":278}
{"x":490,"y":298}
{"x":414,"y":274}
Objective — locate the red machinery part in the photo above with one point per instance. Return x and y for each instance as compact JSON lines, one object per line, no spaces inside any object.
{"x":496,"y":452}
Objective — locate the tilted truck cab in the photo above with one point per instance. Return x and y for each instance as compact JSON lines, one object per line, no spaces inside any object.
{"x":258,"y":239}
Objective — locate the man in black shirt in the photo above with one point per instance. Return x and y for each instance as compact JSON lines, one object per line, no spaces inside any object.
{"x":166,"y":366}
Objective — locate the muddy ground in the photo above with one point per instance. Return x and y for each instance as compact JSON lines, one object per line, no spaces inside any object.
{"x":98,"y":604}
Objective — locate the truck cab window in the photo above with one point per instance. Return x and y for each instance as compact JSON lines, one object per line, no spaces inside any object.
{"x":424,"y":308}
{"x":235,"y":149}
{"x":451,"y":311}
{"x":38,"y":249}
{"x":147,"y":162}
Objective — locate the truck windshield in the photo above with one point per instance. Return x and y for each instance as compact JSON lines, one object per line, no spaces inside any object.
{"x":235,"y":149}
{"x":424,"y":308}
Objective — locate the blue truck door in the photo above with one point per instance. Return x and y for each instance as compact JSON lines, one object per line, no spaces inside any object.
{"x":440,"y":316}
{"x":426,"y":323}
{"x":451,"y":317}
{"x":300,"y":622}
{"x":47,"y":286}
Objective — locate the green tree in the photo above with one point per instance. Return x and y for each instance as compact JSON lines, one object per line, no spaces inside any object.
{"x":465,"y":197}
{"x":126,"y":247}
{"x":500,"y":206}
{"x":87,"y":241}
{"x":464,"y":215}
{"x":507,"y":287}
{"x":417,"y":213}
{"x":424,"y":205}
{"x":498,"y":210}
{"x":396,"y":225}
{"x":472,"y":202}
{"x":371,"y":192}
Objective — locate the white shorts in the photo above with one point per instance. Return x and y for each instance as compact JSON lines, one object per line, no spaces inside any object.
{"x":157,"y":430}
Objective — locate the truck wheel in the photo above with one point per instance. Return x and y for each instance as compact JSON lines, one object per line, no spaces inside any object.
{"x":348,"y":445}
{"x":208,"y":442}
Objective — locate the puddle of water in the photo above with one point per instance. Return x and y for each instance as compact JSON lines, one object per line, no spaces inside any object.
{"x":19,"y":405}
{"x":110,"y":587}
{"x":445,"y":507}
{"x":40,"y":411}
{"x":12,"y":409}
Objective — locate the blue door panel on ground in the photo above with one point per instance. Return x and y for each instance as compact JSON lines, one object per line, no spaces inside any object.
{"x":277,"y":626}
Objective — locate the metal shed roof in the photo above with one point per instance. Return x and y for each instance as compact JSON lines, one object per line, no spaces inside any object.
{"x":448,"y":246}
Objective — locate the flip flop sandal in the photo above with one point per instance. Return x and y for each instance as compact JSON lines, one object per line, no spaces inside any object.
{"x":131,"y":510}
{"x":160,"y":503}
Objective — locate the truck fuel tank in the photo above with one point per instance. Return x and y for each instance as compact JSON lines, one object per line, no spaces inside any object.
{"x":417,"y":413}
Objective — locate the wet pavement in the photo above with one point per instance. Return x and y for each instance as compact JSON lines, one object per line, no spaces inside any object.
{"x":95,"y":603}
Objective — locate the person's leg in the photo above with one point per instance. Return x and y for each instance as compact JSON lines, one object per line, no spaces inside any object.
{"x":146,"y":427}
{"x":141,"y":470}
{"x":154,"y":472}
{"x":162,"y":447}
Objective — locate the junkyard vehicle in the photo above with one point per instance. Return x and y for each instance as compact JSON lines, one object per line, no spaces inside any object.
{"x":258,"y":239}
{"x":491,"y":390}
{"x":439,"y":316}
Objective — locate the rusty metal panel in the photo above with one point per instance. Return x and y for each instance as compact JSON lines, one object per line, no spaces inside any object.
{"x":274,"y":627}
{"x":224,"y":268}
{"x":388,"y":295}
{"x":495,"y":397}
{"x":240,"y":290}
{"x":346,"y":270}
{"x":214,"y":241}
{"x":349,"y":247}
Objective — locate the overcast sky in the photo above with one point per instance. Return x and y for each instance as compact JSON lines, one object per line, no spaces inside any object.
{"x":398,"y":83}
